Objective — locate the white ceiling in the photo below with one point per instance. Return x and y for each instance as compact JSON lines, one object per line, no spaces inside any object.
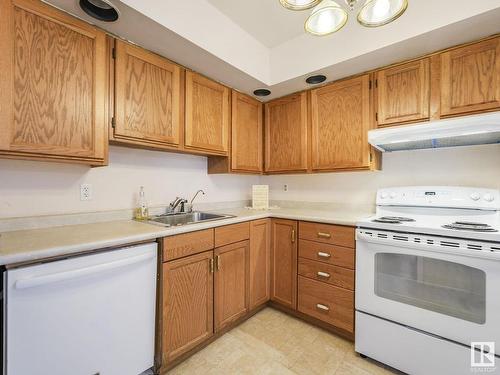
{"x":266,"y":20}
{"x":248,"y":44}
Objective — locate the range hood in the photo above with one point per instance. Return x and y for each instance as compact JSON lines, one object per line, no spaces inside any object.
{"x":460,"y":131}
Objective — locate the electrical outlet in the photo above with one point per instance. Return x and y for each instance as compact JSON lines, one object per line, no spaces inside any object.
{"x":285,"y":187}
{"x":85,"y":192}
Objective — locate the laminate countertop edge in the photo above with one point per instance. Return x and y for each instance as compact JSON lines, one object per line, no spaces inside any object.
{"x":25,"y":246}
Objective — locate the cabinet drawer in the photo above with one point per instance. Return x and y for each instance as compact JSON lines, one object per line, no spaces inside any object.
{"x":328,"y":303}
{"x":336,"y":255}
{"x":338,"y":276}
{"x":327,"y":233}
{"x":232,"y":233}
{"x":187,"y":244}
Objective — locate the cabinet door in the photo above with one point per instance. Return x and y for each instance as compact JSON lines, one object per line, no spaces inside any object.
{"x":147,"y":96}
{"x":259,"y":262}
{"x":207,"y":115}
{"x":284,"y":262}
{"x":231,"y":283}
{"x":286,"y":134}
{"x":187,"y":304}
{"x":340,"y":124}
{"x":53,"y":84}
{"x":403,"y":93}
{"x":246,"y":140}
{"x":470,"y":78}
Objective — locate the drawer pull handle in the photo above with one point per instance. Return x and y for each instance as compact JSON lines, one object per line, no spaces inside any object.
{"x":322,"y":307}
{"x":323,"y":255}
{"x":323,"y":274}
{"x":324,"y":235}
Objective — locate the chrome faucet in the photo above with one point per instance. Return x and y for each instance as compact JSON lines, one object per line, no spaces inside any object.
{"x":175,"y":203}
{"x":189,"y":207}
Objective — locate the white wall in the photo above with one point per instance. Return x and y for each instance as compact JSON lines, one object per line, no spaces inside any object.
{"x":30,"y":188}
{"x":467,"y":166}
{"x":34,"y":188}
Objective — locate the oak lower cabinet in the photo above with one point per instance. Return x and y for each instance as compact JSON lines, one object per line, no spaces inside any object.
{"x":207,"y":115}
{"x":286,"y":134}
{"x":403,"y":93}
{"x":231,"y":283}
{"x":284,"y":262}
{"x":326,"y":263}
{"x":147,"y":98}
{"x":187,"y":304}
{"x":54,"y":85}
{"x":340,"y":115}
{"x":470,"y":78}
{"x":259,"y":262}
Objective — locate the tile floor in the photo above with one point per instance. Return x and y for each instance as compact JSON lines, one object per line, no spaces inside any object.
{"x":273,"y":343}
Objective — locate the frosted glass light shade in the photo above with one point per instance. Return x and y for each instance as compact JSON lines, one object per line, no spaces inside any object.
{"x":299,"y":4}
{"x":326,"y":18}
{"x":381,"y":12}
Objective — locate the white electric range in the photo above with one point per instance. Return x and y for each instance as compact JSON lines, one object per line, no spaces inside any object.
{"x":427,"y":278}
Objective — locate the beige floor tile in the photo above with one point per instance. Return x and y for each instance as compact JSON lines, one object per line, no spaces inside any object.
{"x":273,"y":343}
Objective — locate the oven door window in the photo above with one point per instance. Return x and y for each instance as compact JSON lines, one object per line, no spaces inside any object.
{"x":447,"y":288}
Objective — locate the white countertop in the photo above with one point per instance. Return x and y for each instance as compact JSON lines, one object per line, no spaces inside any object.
{"x":36,"y":244}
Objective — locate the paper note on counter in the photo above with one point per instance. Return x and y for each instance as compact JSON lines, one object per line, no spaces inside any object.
{"x":260,"y":197}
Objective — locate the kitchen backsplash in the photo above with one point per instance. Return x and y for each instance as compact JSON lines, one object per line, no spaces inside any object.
{"x":35,"y":188}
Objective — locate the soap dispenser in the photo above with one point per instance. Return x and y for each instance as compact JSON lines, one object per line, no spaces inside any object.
{"x":141,"y":211}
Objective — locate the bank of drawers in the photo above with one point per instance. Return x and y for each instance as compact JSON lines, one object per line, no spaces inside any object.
{"x":326,"y":273}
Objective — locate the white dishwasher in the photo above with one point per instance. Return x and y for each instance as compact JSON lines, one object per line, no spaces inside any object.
{"x":87,"y":315}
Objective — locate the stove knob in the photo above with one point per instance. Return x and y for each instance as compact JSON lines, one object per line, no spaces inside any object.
{"x":488,"y":197}
{"x":393,"y":195}
{"x":475,"y":196}
{"x":384,"y":195}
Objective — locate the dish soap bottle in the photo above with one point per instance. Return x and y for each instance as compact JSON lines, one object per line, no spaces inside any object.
{"x":141,"y":212}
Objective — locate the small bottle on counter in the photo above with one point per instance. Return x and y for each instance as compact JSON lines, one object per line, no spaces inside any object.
{"x":141,"y":211}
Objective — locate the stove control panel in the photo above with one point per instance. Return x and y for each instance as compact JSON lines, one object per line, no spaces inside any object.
{"x":440,"y":196}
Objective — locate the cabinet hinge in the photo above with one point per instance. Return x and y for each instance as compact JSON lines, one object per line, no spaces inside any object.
{"x":113,"y":53}
{"x":370,"y":85}
{"x":376,"y":83}
{"x":113,"y":122}
{"x":376,"y":116}
{"x":371,"y":157}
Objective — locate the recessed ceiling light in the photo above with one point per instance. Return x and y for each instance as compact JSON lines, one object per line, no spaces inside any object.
{"x":262,"y":92}
{"x":102,"y":10}
{"x":314,"y":80}
{"x":299,"y":4}
{"x":326,"y":18}
{"x":381,"y":12}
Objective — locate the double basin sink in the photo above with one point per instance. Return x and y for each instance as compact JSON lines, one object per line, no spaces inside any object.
{"x":180,"y":219}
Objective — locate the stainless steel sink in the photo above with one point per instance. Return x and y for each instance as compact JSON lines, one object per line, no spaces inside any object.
{"x":173,"y":220}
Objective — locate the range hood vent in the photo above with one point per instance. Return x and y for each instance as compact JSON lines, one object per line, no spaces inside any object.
{"x":461,"y":131}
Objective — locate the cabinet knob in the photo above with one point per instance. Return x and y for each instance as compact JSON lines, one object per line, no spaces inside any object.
{"x":323,"y":274}
{"x":323,"y":255}
{"x":320,"y":306}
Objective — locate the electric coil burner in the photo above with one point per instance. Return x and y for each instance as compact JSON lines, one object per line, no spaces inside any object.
{"x":393,"y":220}
{"x":476,"y":227}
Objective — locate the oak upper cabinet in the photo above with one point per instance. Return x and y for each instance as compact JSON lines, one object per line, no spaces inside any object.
{"x":284,"y":262}
{"x":147,"y":98}
{"x":470,"y":78}
{"x":403,"y":93}
{"x":259,"y":262}
{"x":53,"y":85}
{"x":247,"y":134}
{"x":207,"y":117}
{"x":187,"y":304}
{"x":340,"y":124}
{"x":231,"y":283}
{"x":286,"y":135}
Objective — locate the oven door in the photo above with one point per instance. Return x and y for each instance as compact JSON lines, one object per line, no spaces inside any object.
{"x":445,"y":292}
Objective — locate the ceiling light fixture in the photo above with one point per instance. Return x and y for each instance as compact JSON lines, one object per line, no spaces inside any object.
{"x":299,"y":4}
{"x":103,"y":10}
{"x":314,"y":80}
{"x":328,"y":16}
{"x":262,"y":92}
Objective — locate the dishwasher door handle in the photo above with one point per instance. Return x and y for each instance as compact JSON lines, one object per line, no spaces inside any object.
{"x":86,"y":271}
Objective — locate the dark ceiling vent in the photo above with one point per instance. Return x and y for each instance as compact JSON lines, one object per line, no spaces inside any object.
{"x":262,"y":92}
{"x":314,"y":80}
{"x":101,"y":10}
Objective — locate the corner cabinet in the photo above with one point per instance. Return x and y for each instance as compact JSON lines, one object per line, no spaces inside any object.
{"x":470,"y":78}
{"x":54,"y":85}
{"x":403,"y":93}
{"x":207,"y":117}
{"x":147,"y":99}
{"x":286,"y":134}
{"x":340,"y":115}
